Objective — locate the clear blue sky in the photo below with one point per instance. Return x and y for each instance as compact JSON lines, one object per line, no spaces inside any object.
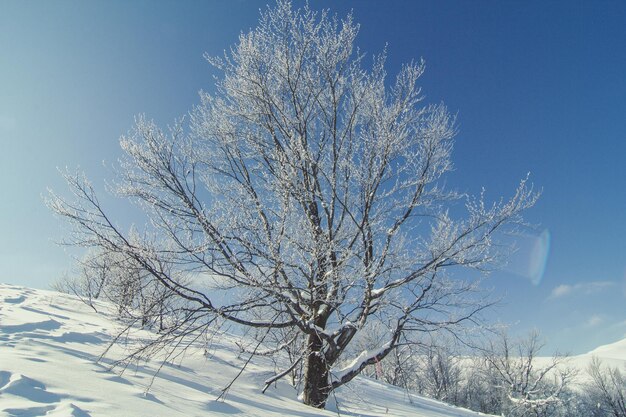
{"x":538,"y":86}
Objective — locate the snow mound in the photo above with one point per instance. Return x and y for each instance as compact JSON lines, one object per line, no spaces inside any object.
{"x":615,"y":351}
{"x":50,"y":348}
{"x":613,"y":355}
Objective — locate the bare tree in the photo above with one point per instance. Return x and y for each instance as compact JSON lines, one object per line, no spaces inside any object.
{"x":440,"y":374}
{"x":88,"y":281}
{"x":308,"y":188}
{"x":483,"y":390}
{"x":532,"y":386}
{"x":117,"y":278}
{"x":607,"y":390}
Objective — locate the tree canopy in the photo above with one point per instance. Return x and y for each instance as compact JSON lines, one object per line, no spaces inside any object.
{"x":308,"y":188}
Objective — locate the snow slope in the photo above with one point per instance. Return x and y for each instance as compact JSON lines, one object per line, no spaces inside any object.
{"x":50,"y":344}
{"x":614,"y":351}
{"x":613,"y":354}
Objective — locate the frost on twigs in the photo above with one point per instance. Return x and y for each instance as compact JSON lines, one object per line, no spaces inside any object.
{"x":310,"y":187}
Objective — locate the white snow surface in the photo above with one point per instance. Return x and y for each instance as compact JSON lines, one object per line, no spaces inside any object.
{"x":50,"y":344}
{"x":613,"y":355}
{"x":614,"y":351}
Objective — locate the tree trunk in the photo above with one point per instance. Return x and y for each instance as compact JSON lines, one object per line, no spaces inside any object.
{"x":316,"y":384}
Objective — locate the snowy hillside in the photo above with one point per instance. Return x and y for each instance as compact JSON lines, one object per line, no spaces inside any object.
{"x":49,"y":349}
{"x":613,"y":354}
{"x":614,"y":351}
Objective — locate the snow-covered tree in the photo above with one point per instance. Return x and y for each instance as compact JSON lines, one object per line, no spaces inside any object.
{"x":530,"y":386}
{"x":307,"y":190}
{"x":606,"y":392}
{"x":440,"y":374}
{"x":118,"y":278}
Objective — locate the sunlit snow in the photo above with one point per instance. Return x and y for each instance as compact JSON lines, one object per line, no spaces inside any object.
{"x":50,"y":344}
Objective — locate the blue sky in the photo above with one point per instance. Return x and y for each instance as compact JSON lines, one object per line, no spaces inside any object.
{"x":538,"y":87}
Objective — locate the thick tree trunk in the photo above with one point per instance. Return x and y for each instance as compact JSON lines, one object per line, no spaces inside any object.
{"x":317,"y":386}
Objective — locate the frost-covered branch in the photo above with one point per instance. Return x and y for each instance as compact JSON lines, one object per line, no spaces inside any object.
{"x":307,"y":187}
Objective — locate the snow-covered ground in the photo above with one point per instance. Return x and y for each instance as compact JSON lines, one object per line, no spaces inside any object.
{"x":49,"y":349}
{"x":613,"y":355}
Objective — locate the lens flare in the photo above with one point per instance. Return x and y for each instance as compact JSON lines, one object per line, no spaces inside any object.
{"x":539,"y":257}
{"x":530,"y":257}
